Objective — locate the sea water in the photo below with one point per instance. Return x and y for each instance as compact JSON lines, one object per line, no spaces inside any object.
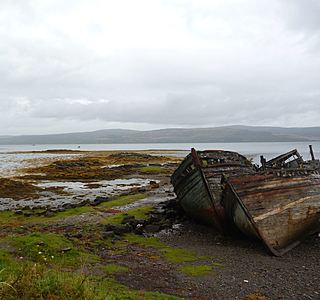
{"x":268,"y":149}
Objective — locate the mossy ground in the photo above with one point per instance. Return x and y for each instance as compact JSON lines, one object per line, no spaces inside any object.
{"x":10,"y":219}
{"x":66,"y":256}
{"x":17,"y":189}
{"x":201,"y":270}
{"x":95,"y":167}
{"x":47,"y":265}
{"x":47,"y":257}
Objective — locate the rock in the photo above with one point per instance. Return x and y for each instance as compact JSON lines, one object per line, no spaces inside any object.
{"x":152,"y":228}
{"x":49,"y":213}
{"x":69,"y":205}
{"x":84,"y":203}
{"x":118,"y":229}
{"x":122,"y":229}
{"x":171,"y":213}
{"x":107,"y":234}
{"x":18,"y":212}
{"x":167,"y":223}
{"x":128,"y":219}
{"x":66,"y":249}
{"x":99,"y":200}
{"x":28,"y":213}
{"x":154,"y":184}
{"x":77,"y":235}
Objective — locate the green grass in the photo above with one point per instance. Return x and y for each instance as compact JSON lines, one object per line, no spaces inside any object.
{"x":152,"y":169}
{"x":36,"y":281}
{"x":175,"y":255}
{"x":114,"y":268}
{"x":50,"y":248}
{"x":199,"y":270}
{"x":115,"y":291}
{"x":8,"y":265}
{"x":139,"y":213}
{"x":122,"y":200}
{"x":11,"y":219}
{"x":70,"y":212}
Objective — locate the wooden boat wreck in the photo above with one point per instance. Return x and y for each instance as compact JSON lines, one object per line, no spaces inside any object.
{"x":278,"y":207}
{"x":290,"y":160}
{"x":197,"y":183}
{"x":278,"y":203}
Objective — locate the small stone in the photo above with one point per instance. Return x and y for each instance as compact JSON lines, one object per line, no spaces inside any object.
{"x":99,"y":200}
{"x":49,"y":213}
{"x":127,"y":219}
{"x":151,"y":228}
{"x":66,"y":249}
{"x":154,"y":184}
{"x":28,"y":213}
{"x":107,"y":234}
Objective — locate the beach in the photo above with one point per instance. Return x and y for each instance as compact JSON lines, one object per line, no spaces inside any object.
{"x":77,"y":214}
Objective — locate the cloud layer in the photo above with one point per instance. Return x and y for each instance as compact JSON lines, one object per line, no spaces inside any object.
{"x":85,"y":65}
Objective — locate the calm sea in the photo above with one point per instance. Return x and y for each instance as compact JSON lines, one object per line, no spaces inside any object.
{"x":254,"y":150}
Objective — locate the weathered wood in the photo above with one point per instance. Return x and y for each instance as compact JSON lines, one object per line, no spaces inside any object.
{"x":197,"y":183}
{"x":279,"y":210}
{"x":279,"y":203}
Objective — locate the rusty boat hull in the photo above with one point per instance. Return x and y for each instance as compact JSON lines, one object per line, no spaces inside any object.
{"x":279,"y":207}
{"x":197,"y":183}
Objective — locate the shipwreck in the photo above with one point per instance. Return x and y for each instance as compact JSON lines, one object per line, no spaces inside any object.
{"x":277,"y":203}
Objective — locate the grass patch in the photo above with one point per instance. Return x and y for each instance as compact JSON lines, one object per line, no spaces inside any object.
{"x":175,"y":255}
{"x":70,"y":212}
{"x":152,"y":169}
{"x":122,"y":200}
{"x":139,"y":213}
{"x":9,"y":218}
{"x":36,"y":281}
{"x":50,"y":248}
{"x":113,"y":268}
{"x":8,"y":265}
{"x":199,"y":270}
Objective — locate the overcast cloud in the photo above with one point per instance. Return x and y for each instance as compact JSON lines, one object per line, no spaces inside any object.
{"x":84,"y":65}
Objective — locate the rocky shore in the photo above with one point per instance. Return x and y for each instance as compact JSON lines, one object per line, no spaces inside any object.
{"x":68,"y":230}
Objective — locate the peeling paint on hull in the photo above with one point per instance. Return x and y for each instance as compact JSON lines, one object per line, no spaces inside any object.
{"x":197,"y":183}
{"x":279,"y":206}
{"x":281,"y":210}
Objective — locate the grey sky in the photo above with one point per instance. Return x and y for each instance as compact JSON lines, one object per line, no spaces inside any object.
{"x":85,"y":65}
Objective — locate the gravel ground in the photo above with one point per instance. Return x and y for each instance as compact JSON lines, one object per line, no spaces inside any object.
{"x":248,"y":268}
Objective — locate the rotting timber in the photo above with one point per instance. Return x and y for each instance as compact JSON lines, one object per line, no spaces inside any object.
{"x":278,"y":203}
{"x":197,"y":183}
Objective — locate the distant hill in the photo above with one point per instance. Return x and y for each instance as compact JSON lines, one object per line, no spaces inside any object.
{"x":226,"y":134}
